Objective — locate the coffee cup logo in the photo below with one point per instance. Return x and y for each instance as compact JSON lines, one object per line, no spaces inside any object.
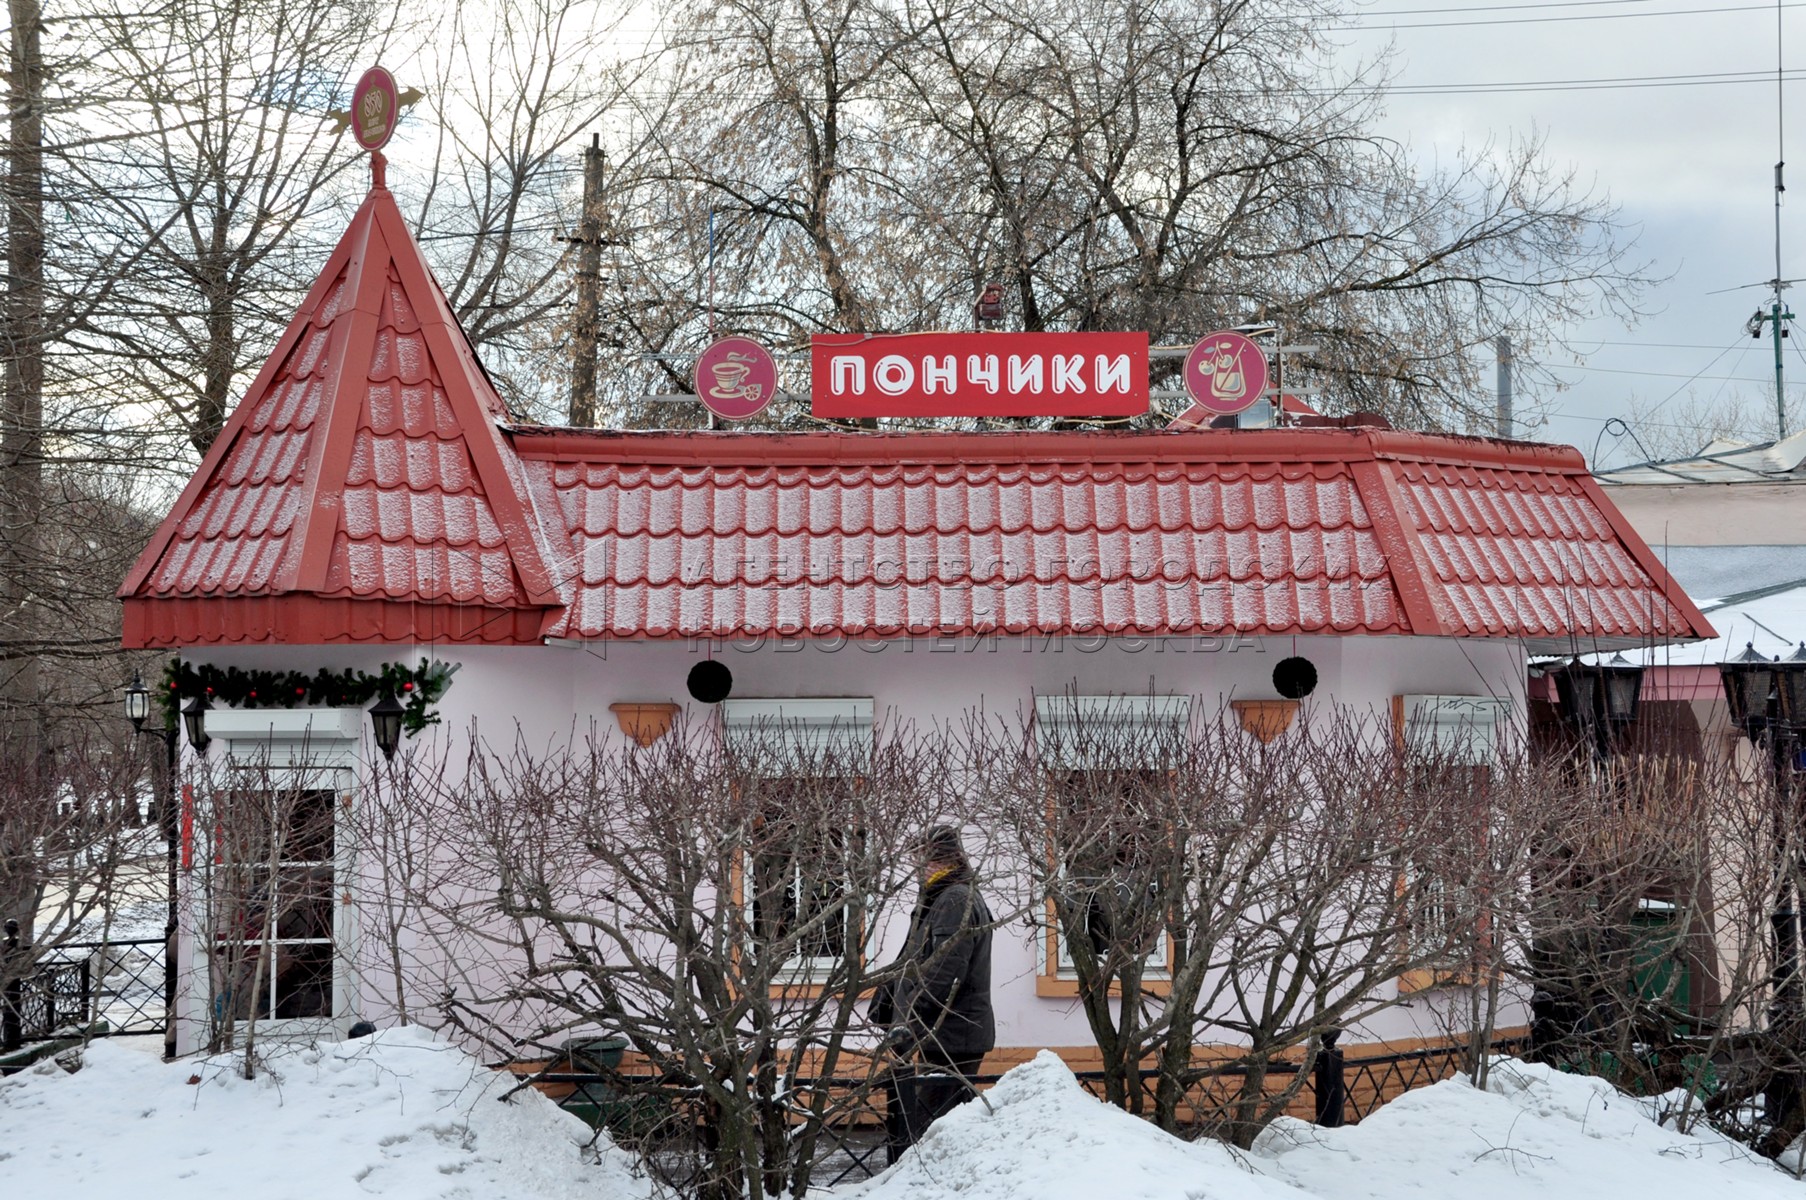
{"x":1226,"y":373}
{"x":736,"y":378}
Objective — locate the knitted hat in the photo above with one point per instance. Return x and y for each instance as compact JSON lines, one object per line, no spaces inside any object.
{"x":942,"y":844}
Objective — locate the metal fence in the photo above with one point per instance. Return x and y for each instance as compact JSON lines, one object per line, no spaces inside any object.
{"x":102,"y":989}
{"x":666,"y":1126}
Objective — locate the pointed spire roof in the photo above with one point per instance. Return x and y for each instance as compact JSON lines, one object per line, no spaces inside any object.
{"x":363,"y":476}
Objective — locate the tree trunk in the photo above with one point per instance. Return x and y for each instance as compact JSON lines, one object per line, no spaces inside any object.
{"x":22,"y":406}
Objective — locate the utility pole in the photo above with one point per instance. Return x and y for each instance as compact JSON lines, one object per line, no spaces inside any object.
{"x":1504,"y":415}
{"x":589,"y":271}
{"x":1776,"y":312}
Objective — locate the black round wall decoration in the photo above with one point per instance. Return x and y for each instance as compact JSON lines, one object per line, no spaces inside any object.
{"x":710,"y":682}
{"x":1295,"y":678}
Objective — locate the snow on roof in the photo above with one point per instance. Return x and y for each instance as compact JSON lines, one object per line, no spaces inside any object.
{"x":363,"y":473}
{"x":1709,"y":572}
{"x":1722,"y":461}
{"x":1771,"y":619}
{"x":1338,"y":531}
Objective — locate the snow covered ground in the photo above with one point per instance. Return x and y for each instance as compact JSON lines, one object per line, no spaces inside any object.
{"x":1533,"y":1132}
{"x":402,"y":1115}
{"x":398,"y":1114}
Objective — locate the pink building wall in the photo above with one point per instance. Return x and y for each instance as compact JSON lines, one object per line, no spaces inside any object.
{"x":552,"y":691}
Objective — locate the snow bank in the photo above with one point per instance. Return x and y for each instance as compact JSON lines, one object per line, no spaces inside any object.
{"x":1533,"y":1132}
{"x":399,"y":1114}
{"x":1039,"y":1134}
{"x":403,"y":1115}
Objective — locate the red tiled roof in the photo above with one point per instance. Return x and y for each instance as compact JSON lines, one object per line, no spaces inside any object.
{"x":364,"y":464}
{"x":1278,"y":531}
{"x":367,"y":489}
{"x":963,"y":548}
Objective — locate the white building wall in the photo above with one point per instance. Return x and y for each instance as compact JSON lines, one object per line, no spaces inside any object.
{"x":555,"y":693}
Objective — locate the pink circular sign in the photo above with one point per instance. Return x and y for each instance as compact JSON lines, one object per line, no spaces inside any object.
{"x":1226,"y":373}
{"x":736,"y":378}
{"x":375,"y":103}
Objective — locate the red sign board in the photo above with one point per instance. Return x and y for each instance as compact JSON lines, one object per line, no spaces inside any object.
{"x":979,"y":375}
{"x":736,"y":377}
{"x":1226,"y":373}
{"x":375,"y":104}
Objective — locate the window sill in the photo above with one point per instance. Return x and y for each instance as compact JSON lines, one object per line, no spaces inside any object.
{"x":1412,"y":983}
{"x":1064,"y":988}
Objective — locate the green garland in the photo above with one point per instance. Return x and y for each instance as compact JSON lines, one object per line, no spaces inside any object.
{"x":418,"y":688}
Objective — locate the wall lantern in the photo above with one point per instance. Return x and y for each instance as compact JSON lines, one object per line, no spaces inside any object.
{"x":385,"y":720}
{"x":194,"y":716}
{"x":1766,"y":700}
{"x":1597,"y":697}
{"x":1790,"y":688}
{"x":1623,"y":687}
{"x":1749,"y":680}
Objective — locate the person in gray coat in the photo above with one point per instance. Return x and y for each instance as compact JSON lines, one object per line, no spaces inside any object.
{"x":937,"y":1009}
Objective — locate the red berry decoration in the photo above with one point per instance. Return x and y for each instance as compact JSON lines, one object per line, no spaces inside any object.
{"x":407,"y":687}
{"x":300,"y":691}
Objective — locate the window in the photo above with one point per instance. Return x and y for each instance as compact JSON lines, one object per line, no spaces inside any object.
{"x":1450,"y":745}
{"x":1464,"y":729}
{"x":273,"y":902}
{"x":1106,"y":758}
{"x":1105,"y":867}
{"x":798,"y":895}
{"x":803,"y":753}
{"x":275,"y":868}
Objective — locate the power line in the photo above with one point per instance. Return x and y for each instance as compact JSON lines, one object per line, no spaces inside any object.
{"x":1472,"y":8}
{"x":1602,"y":84}
{"x":1676,"y":375}
{"x":1621,"y":16}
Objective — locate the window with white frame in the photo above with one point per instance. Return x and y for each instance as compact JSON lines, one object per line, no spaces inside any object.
{"x":272,"y":895}
{"x":1103,"y":755}
{"x":802,"y":753}
{"x":274,"y":947}
{"x":1456,"y":729}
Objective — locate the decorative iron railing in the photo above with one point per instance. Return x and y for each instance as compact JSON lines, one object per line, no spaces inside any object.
{"x":99,"y":989}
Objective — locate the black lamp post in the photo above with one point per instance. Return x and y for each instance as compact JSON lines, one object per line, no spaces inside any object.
{"x":385,"y":720}
{"x":1599,"y":698}
{"x":137,"y":710}
{"x":1766,"y":699}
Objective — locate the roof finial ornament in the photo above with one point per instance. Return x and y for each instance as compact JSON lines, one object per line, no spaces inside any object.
{"x":376,"y":105}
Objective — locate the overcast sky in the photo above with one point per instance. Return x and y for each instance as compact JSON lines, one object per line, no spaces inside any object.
{"x":1691,"y":166}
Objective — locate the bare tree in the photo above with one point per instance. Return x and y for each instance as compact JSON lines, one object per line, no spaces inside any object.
{"x":1203,"y":885}
{"x":68,"y":833}
{"x":717,"y":907}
